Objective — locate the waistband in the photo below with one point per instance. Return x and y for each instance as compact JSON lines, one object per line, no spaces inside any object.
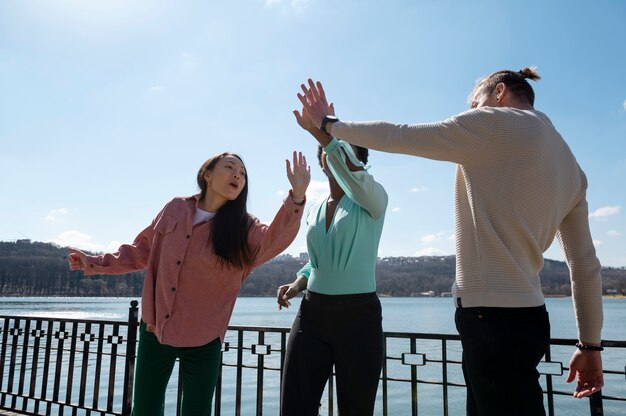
{"x":525,"y":311}
{"x":340,"y":299}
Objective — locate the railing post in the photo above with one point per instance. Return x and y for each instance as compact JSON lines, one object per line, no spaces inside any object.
{"x":549,"y":388}
{"x":131,"y":348}
{"x":385,"y":399}
{"x":595,"y":404}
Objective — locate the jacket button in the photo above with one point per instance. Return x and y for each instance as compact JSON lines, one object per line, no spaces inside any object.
{"x":188,"y":236}
{"x":167,"y":317}
{"x":178,"y":262}
{"x":173,"y":289}
{"x":297,"y":210}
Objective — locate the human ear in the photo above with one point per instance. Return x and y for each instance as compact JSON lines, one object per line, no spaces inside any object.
{"x":500,"y":91}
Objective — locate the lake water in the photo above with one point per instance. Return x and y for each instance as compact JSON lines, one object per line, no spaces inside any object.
{"x":423,"y":315}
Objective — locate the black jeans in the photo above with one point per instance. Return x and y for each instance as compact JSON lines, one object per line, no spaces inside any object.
{"x":340,"y":330}
{"x":501,"y":350}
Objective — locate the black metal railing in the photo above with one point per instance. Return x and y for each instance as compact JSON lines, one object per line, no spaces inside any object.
{"x":86,"y":367}
{"x":67,"y":366}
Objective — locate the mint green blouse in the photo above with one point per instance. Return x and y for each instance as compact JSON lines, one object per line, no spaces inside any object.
{"x":343,"y":259}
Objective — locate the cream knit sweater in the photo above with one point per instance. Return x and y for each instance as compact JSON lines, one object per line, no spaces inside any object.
{"x":517,"y":186}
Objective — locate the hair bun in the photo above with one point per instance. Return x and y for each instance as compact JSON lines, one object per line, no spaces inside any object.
{"x":530,"y":73}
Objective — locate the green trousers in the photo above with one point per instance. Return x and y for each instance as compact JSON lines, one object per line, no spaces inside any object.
{"x":155,"y":361}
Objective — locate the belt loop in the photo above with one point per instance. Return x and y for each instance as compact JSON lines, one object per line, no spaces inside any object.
{"x":458,"y":303}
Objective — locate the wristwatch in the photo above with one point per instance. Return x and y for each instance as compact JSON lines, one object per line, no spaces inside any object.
{"x":325,"y":121}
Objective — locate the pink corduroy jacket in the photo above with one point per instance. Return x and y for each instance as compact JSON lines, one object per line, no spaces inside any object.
{"x":188,"y":295}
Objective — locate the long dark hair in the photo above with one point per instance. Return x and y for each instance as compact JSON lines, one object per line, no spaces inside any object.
{"x":230,"y":226}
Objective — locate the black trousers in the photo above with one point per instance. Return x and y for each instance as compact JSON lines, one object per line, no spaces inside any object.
{"x":340,"y":330}
{"x":501,"y":350}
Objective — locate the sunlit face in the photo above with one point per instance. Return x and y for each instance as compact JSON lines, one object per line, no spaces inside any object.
{"x":227,"y":178}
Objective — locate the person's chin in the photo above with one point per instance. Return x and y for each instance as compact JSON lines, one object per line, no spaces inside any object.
{"x":233,"y":195}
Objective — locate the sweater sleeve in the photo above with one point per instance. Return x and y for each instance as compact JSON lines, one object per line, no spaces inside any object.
{"x":358,"y":185}
{"x":458,"y":139}
{"x":128,"y":257}
{"x":268,"y":241}
{"x":575,"y":239}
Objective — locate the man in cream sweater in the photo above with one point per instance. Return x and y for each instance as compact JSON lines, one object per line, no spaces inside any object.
{"x":518,"y":186}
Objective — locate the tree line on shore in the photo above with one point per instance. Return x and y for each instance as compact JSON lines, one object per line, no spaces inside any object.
{"x":40,"y":269}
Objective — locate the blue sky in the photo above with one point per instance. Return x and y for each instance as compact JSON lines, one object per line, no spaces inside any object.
{"x":108,"y":108}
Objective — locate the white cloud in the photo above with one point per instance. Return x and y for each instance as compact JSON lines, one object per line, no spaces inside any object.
{"x":316,"y":191}
{"x":56,"y":213}
{"x":613,"y":233}
{"x":624,"y":104}
{"x":157,"y":89}
{"x":112,"y":246}
{"x":429,"y":238}
{"x":430,"y":251}
{"x":280,"y":193}
{"x":396,"y":209}
{"x":418,"y":189}
{"x":605,"y":212}
{"x":597,"y":243}
{"x":77,"y":239}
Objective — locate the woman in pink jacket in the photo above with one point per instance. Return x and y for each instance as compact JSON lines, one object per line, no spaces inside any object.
{"x":197,"y":252}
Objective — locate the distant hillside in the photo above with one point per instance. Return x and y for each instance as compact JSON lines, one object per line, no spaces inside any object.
{"x":40,"y":269}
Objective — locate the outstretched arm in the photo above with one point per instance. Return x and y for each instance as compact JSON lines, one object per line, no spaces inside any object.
{"x":128,"y":258}
{"x":266,"y":241}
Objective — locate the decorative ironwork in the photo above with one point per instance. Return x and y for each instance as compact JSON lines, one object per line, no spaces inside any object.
{"x":86,"y":367}
{"x":67,"y":366}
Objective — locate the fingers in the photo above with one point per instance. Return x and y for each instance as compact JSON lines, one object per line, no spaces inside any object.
{"x":321,"y":91}
{"x":288,"y":169}
{"x":74,"y":259}
{"x":280,"y":295}
{"x":302,"y":99}
{"x":571,"y":375}
{"x":588,"y":388}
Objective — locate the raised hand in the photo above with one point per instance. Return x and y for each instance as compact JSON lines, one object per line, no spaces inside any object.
{"x":304,"y":121}
{"x":586,"y":367}
{"x":77,"y":259}
{"x":313,"y":99}
{"x":299,"y":176}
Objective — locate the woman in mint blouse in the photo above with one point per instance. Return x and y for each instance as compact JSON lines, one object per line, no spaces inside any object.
{"x":339,"y":322}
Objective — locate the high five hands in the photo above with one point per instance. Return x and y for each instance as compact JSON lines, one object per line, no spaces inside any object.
{"x":314,"y":103}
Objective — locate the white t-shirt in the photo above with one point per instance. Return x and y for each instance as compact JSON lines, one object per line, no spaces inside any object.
{"x":202,"y":216}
